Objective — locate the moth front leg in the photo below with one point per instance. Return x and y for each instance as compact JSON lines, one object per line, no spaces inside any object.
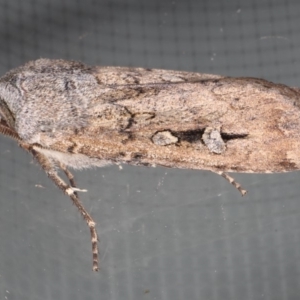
{"x":70,"y":190}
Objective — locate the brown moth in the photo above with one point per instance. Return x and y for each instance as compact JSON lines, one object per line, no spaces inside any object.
{"x":67,"y":114}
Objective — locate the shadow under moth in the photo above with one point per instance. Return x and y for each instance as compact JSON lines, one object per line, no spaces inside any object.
{"x":69,"y":115}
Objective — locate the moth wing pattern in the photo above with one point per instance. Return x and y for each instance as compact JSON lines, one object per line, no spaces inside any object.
{"x":69,"y":115}
{"x":159,"y":117}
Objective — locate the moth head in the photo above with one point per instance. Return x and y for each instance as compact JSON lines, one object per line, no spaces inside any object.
{"x":6,"y":116}
{"x":9,"y":101}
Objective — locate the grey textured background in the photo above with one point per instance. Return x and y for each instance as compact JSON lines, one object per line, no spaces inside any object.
{"x":165,"y":233}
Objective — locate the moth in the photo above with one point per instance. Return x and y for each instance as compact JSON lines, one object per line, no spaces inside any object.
{"x":70,"y":115}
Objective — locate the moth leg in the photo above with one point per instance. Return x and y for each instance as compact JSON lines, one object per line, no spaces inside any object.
{"x":69,"y":190}
{"x":233,"y":182}
{"x":69,"y":175}
{"x":71,"y":179}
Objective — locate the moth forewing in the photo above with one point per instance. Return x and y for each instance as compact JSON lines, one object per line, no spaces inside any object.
{"x":68,"y":114}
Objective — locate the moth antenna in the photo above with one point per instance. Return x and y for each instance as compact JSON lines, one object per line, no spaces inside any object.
{"x":9,"y":132}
